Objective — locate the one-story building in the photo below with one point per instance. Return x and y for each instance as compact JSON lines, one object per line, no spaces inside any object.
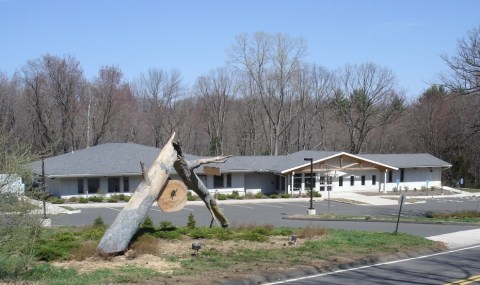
{"x":114,"y":168}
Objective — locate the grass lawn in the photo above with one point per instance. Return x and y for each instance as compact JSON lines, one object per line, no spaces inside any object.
{"x":163,"y":253}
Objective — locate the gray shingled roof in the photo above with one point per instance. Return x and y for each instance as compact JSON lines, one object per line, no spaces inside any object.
{"x":407,"y":160}
{"x":124,"y":159}
{"x":102,"y":160}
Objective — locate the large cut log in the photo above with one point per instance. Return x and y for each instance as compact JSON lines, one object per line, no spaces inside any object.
{"x":185,"y":169}
{"x":126,"y":224}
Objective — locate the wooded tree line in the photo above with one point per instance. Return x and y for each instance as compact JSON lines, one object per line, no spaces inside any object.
{"x":267,"y":100}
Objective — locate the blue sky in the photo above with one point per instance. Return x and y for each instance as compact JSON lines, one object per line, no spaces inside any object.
{"x":407,"y":36}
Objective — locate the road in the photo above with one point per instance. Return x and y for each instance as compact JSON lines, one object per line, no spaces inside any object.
{"x":458,"y":267}
{"x":274,"y":214}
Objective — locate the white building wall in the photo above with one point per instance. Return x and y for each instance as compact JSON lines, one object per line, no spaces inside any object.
{"x":260,"y":182}
{"x":66,"y":187}
{"x":417,"y":178}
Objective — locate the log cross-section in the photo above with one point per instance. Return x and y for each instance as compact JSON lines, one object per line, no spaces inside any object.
{"x":126,"y":224}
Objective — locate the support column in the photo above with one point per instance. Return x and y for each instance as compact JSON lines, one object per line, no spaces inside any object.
{"x":286,"y":184}
{"x":293,"y":175}
{"x":302,"y":189}
{"x":385,"y":180}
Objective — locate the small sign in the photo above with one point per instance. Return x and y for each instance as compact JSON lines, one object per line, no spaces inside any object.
{"x":210,"y":170}
{"x":174,"y":196}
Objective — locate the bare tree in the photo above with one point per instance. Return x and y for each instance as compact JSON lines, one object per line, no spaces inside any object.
{"x":464,"y":77}
{"x":465,"y":65}
{"x":431,"y":113}
{"x":216,"y":91}
{"x":103,"y":102}
{"x":8,"y":92}
{"x":247,"y":118}
{"x":366,"y":99}
{"x":53,"y":87}
{"x":271,"y":62}
{"x":314,"y":85}
{"x":160,"y":90}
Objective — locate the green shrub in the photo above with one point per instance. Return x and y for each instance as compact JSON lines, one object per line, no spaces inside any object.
{"x":98,"y":222}
{"x":265,"y":230}
{"x":94,"y":233}
{"x":285,"y":195}
{"x":235,"y":195}
{"x":191,"y":197}
{"x":273,"y":196}
{"x":147,"y":224}
{"x":73,"y":199}
{"x":259,"y":195}
{"x":57,"y":246}
{"x":282,"y":231}
{"x":55,"y":200}
{"x":191,"y":223}
{"x":221,"y":197}
{"x":223,"y":234}
{"x":125,"y":198}
{"x":252,"y":236}
{"x":95,"y":198}
{"x":167,"y":226}
{"x":166,"y":234}
{"x":197,"y":233}
{"x":112,"y":199}
{"x":82,"y":200}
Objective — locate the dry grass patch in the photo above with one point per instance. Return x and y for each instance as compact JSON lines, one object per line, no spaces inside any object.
{"x":310,"y":232}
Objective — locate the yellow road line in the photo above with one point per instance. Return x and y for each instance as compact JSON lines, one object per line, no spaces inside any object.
{"x":469,"y":280}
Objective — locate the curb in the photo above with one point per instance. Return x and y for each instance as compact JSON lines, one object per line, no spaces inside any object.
{"x":304,"y":271}
{"x":378,"y":221}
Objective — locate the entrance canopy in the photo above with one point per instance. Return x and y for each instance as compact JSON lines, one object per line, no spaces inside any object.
{"x":337,"y":164}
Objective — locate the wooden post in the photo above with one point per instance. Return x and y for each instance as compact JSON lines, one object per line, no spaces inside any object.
{"x":126,"y":224}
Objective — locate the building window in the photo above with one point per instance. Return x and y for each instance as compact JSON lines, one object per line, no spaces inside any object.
{"x":390,"y":176}
{"x":93,"y":184}
{"x":80,"y":185}
{"x":126,"y":184}
{"x":352,"y":180}
{"x":374,"y":179}
{"x":297,"y":182}
{"x":279,"y":182}
{"x":113,"y":184}
{"x":363,"y":179}
{"x":340,"y":181}
{"x":218,"y":181}
{"x":322,"y":183}
{"x":308,"y":181}
{"x":402,"y":174}
{"x":229,"y":180}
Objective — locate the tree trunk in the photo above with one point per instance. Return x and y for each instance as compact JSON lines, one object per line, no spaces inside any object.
{"x":126,"y":224}
{"x":185,"y":171}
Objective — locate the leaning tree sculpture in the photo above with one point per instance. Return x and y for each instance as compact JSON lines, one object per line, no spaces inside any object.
{"x":118,"y":235}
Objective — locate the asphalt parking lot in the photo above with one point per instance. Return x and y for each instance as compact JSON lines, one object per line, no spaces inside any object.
{"x":274,"y":213}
